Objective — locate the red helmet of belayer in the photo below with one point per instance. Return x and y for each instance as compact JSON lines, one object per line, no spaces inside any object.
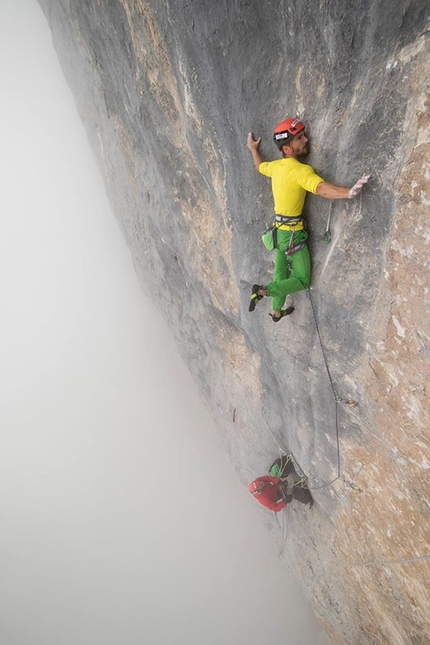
{"x":256,"y":487}
{"x":286,"y":130}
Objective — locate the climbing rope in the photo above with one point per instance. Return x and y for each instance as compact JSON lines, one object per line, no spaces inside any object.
{"x":284,"y":529}
{"x":336,"y":399}
{"x":282,"y":452}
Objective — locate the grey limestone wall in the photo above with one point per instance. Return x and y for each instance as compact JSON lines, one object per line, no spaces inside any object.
{"x":168,"y":92}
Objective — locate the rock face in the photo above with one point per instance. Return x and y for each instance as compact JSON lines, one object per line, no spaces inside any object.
{"x":168,"y":92}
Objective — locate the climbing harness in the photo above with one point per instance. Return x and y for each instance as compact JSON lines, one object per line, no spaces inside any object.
{"x":283,"y":223}
{"x":289,"y":223}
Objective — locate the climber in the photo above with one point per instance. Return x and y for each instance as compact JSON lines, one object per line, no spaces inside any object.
{"x":275,"y":493}
{"x":291,"y":179}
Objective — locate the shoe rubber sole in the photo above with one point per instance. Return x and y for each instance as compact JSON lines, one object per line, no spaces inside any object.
{"x":284,"y":312}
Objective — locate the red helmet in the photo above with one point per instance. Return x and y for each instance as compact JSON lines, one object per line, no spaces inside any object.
{"x":255,"y":487}
{"x":286,"y":130}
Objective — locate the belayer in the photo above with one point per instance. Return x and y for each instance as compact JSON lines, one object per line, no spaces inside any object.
{"x":280,"y":486}
{"x":275,"y":493}
{"x":291,"y":179}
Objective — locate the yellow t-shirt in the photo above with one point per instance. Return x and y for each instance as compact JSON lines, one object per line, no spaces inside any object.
{"x":291,"y":179}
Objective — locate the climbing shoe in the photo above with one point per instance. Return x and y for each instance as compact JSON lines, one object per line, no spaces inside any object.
{"x":255,"y":296}
{"x":284,"y":312}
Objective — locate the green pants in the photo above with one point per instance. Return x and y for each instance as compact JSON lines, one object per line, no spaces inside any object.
{"x":292,"y":273}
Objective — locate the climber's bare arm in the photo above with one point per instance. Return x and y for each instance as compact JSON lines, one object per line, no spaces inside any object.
{"x":330,"y":191}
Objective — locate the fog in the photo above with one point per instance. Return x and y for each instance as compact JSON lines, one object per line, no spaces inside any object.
{"x":122,"y":519}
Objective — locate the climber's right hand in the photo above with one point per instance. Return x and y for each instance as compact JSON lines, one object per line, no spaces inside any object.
{"x":356,"y":189}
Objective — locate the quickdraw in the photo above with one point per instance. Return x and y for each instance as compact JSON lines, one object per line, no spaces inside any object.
{"x":294,"y":248}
